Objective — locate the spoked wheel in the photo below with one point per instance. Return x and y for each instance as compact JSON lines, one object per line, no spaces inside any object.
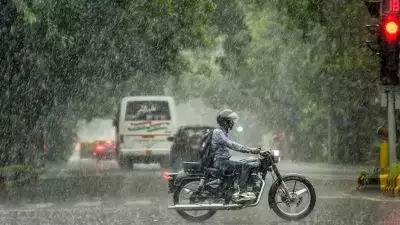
{"x":298,"y":204}
{"x":184,"y":195}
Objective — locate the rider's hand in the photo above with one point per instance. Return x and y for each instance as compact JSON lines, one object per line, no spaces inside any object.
{"x":254,"y":150}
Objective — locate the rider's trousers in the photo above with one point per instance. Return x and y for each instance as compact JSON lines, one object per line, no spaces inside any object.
{"x":243,"y":169}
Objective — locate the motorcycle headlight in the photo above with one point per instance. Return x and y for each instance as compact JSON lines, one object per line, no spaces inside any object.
{"x":276,"y":156}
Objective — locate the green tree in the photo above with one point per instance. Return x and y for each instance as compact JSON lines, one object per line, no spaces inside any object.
{"x":62,"y":60}
{"x":305,"y":72}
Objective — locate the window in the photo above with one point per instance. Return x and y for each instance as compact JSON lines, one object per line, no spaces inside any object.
{"x":147,"y":110}
{"x":200,"y":131}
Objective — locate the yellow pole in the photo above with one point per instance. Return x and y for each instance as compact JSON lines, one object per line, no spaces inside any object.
{"x":383,"y":156}
{"x":383,"y":164}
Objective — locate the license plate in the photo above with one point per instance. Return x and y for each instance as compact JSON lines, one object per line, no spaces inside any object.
{"x":87,"y":146}
{"x":148,"y":152}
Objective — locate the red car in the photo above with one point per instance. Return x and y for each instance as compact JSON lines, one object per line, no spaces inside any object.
{"x":104,"y":150}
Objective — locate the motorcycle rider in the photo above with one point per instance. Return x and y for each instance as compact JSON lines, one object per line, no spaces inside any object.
{"x":221,"y":144}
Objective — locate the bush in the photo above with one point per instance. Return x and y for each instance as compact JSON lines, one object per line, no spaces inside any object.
{"x":17,"y":172}
{"x":394,"y":170}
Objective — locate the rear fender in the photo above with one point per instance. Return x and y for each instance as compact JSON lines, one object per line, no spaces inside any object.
{"x":179,"y":180}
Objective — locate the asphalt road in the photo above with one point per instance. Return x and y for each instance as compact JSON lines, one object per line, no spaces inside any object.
{"x":89,"y":192}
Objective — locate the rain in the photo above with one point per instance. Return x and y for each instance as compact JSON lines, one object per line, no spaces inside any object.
{"x":104,"y":104}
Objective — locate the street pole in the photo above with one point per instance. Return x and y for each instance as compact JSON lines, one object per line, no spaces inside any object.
{"x":391,"y":125}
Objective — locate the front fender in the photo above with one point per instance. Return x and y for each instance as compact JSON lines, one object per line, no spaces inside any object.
{"x":293,"y":174}
{"x":288,"y":175}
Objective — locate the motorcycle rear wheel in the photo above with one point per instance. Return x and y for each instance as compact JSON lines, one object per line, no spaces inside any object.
{"x":185,"y":214}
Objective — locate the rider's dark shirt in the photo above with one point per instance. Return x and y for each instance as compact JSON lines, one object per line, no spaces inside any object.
{"x":221,"y":144}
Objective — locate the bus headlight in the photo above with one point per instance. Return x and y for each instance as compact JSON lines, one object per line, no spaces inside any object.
{"x":276,"y":156}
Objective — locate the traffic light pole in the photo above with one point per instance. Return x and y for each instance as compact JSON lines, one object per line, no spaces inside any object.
{"x":390,"y":93}
{"x":386,"y":32}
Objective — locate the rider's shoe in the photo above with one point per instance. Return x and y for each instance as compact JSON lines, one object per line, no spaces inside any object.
{"x":251,"y":195}
{"x":242,"y":197}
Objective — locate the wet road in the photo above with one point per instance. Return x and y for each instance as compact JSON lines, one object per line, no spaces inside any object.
{"x":328,"y":211}
{"x":88,"y":192}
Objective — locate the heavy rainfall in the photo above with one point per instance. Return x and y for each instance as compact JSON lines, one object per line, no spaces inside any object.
{"x":102,"y":103}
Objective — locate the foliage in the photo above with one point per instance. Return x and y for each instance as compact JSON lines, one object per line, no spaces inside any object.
{"x":304,"y":71}
{"x":394,"y":170}
{"x":60,"y":59}
{"x":299,"y":66}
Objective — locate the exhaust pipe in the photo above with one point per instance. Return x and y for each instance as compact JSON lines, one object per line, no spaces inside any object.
{"x":206,"y":207}
{"x":219,"y":206}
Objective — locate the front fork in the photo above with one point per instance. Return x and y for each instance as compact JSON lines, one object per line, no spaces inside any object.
{"x":281,"y":182}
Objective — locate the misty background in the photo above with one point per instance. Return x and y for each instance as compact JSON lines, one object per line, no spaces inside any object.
{"x":283,"y":66}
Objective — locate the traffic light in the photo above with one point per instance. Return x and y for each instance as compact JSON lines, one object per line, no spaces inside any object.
{"x":386,"y":31}
{"x":374,"y":7}
{"x":390,"y":30}
{"x":389,"y":50}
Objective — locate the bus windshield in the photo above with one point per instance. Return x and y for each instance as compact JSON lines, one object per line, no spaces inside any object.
{"x":147,"y":110}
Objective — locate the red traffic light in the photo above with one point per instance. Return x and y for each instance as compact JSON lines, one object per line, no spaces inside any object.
{"x":391,"y":28}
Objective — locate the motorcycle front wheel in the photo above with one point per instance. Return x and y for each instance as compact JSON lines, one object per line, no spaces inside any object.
{"x":299,"y":188}
{"x":187,"y":188}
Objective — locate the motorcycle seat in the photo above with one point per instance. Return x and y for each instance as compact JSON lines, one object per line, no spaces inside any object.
{"x":211,"y":170}
{"x":191,"y":166}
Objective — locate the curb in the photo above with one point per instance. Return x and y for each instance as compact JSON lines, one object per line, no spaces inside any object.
{"x":387,"y":185}
{"x":393,"y":185}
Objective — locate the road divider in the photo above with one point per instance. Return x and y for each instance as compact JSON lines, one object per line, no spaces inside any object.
{"x":385,"y":180}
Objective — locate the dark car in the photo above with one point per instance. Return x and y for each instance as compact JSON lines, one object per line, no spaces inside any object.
{"x":187,"y":142}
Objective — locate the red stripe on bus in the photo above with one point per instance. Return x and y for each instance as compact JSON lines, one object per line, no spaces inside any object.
{"x":149,"y":122}
{"x":157,"y":124}
{"x":141,"y":123}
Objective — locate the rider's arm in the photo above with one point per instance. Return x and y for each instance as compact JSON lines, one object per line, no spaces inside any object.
{"x":221,"y":139}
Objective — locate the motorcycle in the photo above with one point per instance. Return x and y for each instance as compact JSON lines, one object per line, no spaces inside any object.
{"x":210,"y":190}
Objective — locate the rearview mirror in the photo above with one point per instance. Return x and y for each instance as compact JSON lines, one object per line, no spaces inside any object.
{"x":170,"y":138}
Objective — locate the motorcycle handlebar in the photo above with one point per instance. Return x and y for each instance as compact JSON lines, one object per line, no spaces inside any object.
{"x":261,"y":151}
{"x":264,"y":151}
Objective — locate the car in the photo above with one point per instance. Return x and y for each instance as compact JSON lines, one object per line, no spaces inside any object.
{"x":104,"y":150}
{"x":85,"y":149}
{"x":186,"y":144}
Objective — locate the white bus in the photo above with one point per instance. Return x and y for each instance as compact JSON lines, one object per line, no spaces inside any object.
{"x":143,"y":124}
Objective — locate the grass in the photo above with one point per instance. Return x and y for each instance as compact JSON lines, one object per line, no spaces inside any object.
{"x":19,"y":173}
{"x":394,"y":171}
